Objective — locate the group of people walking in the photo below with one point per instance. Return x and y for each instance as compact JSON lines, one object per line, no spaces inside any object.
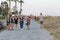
{"x":12,"y":21}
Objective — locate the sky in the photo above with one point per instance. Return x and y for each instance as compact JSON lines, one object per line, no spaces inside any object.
{"x":35,"y":7}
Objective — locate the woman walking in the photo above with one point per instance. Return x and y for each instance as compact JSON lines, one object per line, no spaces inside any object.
{"x":16,"y":21}
{"x":28,"y":22}
{"x":21,"y":19}
{"x":12,"y":22}
{"x":41,"y":20}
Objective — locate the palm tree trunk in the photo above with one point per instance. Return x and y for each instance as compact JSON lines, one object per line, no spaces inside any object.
{"x":2,"y":11}
{"x":15,"y":5}
{"x":20,"y":7}
{"x":9,"y":5}
{"x":2,"y":5}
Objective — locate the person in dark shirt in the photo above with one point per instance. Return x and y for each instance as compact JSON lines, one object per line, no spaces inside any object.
{"x":21,"y":22}
{"x":12,"y":22}
{"x":16,"y":21}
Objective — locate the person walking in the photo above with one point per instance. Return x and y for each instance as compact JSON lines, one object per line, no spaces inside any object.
{"x":41,"y":20}
{"x":35,"y":18}
{"x":8,"y":22}
{"x":28,"y":22}
{"x":16,"y":21}
{"x":12,"y":22}
{"x":21,"y":19}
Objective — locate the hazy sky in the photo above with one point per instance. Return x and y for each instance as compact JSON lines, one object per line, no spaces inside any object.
{"x":47,"y":7}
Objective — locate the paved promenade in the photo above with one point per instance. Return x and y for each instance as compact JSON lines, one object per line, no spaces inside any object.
{"x":35,"y":33}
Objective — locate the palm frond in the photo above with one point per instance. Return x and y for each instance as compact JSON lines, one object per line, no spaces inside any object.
{"x":5,"y":2}
{"x":21,"y":1}
{"x":15,"y":0}
{"x":9,"y":0}
{"x":2,"y":3}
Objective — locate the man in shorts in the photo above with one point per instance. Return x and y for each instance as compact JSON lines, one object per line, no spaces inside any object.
{"x":41,"y":20}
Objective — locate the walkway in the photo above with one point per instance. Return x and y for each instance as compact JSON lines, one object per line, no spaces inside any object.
{"x":35,"y":33}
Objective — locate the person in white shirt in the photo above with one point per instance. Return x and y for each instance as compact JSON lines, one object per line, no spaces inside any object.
{"x":41,"y":20}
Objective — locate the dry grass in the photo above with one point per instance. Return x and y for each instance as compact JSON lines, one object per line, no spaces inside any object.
{"x":52,"y":24}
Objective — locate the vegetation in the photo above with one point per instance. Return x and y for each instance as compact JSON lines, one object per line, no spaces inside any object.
{"x":52,"y":24}
{"x":4,"y":8}
{"x":21,"y":6}
{"x":2,"y":18}
{"x":37,"y":18}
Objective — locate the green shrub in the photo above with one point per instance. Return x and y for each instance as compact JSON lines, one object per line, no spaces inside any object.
{"x":2,"y":17}
{"x":37,"y":19}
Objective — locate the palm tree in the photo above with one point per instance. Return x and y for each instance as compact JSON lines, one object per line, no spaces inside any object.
{"x":15,"y":5}
{"x":9,"y":4}
{"x":0,"y":9}
{"x":21,"y":5}
{"x":6,"y":8}
{"x":2,"y":6}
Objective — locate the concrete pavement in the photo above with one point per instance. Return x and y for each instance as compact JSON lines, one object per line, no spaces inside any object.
{"x":35,"y":33}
